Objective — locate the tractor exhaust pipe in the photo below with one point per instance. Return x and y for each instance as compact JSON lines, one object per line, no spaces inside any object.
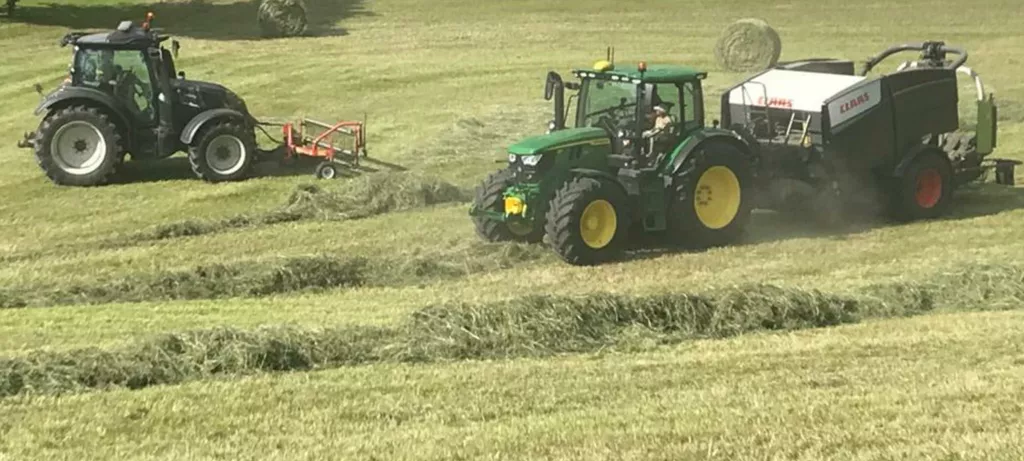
{"x":555,"y":88}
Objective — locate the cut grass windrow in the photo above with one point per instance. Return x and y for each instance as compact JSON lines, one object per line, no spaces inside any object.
{"x":354,"y":198}
{"x":533,"y":326}
{"x":295,"y":274}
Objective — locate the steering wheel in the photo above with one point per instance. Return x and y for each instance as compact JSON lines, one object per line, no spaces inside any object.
{"x":128,"y":77}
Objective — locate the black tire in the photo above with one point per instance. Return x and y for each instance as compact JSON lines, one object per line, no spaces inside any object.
{"x":691,"y":221}
{"x":91,"y":124}
{"x":565,"y":220}
{"x":216,"y":143}
{"x":924,"y":190}
{"x":489,"y":196}
{"x":326,"y":170}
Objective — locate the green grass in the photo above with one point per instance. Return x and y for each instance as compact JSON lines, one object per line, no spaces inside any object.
{"x":446,"y":85}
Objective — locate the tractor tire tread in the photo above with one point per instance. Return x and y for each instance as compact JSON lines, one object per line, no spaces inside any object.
{"x":102,"y":121}
{"x":197,"y":159}
{"x":682,"y":219}
{"x":562,"y":228}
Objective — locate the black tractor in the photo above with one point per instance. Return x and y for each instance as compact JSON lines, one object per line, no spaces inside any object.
{"x":123,"y":97}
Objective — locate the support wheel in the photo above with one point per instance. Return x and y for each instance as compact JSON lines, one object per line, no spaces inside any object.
{"x":588,"y":221}
{"x":222,"y":152}
{"x":925,"y":189}
{"x":490,"y":197}
{"x":326,"y":170}
{"x":712,"y":201}
{"x":78,"y":146}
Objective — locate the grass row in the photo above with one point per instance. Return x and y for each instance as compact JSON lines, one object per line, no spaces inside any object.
{"x":288,"y":275}
{"x":531,"y":326}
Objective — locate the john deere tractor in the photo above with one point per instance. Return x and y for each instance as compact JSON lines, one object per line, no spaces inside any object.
{"x":585,"y":186}
{"x":122,"y":97}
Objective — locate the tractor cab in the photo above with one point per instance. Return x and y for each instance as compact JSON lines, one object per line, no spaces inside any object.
{"x":133,"y":72}
{"x":645,"y":111}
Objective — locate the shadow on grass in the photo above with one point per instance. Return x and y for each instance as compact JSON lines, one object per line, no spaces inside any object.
{"x":972,"y":201}
{"x":177,"y":168}
{"x":235,"y":20}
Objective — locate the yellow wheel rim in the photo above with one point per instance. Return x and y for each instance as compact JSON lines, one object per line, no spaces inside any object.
{"x":598,"y":224}
{"x":717,"y":198}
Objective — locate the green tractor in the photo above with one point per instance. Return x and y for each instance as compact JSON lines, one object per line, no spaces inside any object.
{"x":639,"y":157}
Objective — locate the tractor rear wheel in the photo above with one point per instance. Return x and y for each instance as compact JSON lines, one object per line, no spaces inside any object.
{"x":925,"y":188}
{"x":588,"y":221}
{"x":78,"y":146}
{"x":712,"y":201}
{"x":222,"y":152}
{"x":490,"y":197}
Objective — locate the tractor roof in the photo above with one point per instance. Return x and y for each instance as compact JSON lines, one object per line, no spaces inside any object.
{"x":658,"y":73}
{"x":127,"y":35}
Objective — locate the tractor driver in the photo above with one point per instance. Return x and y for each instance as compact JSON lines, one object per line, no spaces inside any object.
{"x":662,"y":123}
{"x":660,"y":132}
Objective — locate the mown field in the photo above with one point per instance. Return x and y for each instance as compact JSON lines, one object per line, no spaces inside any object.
{"x":165,"y":318}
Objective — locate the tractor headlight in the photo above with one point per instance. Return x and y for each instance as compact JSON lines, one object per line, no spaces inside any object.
{"x":531,"y":160}
{"x":512,"y":158}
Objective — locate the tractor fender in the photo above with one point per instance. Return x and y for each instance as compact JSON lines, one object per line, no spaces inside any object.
{"x":67,"y":96}
{"x":596,"y":174}
{"x":701,"y":138}
{"x":916,"y":151}
{"x":193,"y":126}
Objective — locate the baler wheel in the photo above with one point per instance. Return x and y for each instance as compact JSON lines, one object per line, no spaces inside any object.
{"x":925,"y":189}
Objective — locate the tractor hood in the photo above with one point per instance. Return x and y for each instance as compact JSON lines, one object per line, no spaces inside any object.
{"x":207,"y":95}
{"x":559,"y":139}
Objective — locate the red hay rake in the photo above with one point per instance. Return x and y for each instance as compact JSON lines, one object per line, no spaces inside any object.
{"x":310,"y":138}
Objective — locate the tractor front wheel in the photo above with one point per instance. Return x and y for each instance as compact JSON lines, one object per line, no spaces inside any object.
{"x":222,"y":152}
{"x":78,"y":146}
{"x":925,"y":188}
{"x":712,"y":202}
{"x":490,"y":197}
{"x":588,"y":221}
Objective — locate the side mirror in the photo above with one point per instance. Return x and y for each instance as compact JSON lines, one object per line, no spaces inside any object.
{"x":552,"y":81}
{"x":181,"y":74}
{"x":175,"y":46}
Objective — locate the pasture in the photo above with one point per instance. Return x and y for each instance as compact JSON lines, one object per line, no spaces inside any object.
{"x":161,"y":317}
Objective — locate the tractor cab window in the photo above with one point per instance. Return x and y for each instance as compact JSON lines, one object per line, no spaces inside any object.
{"x":612,"y":101}
{"x":121,"y":73}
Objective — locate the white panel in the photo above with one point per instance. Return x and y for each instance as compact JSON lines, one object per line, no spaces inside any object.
{"x":855,"y":102}
{"x":791,"y":89}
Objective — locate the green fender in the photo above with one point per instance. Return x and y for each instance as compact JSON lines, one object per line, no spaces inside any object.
{"x":597,"y":174}
{"x":696,"y":140}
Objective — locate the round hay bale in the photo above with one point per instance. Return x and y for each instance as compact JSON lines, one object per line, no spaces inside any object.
{"x":282,"y":18}
{"x":748,"y":45}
